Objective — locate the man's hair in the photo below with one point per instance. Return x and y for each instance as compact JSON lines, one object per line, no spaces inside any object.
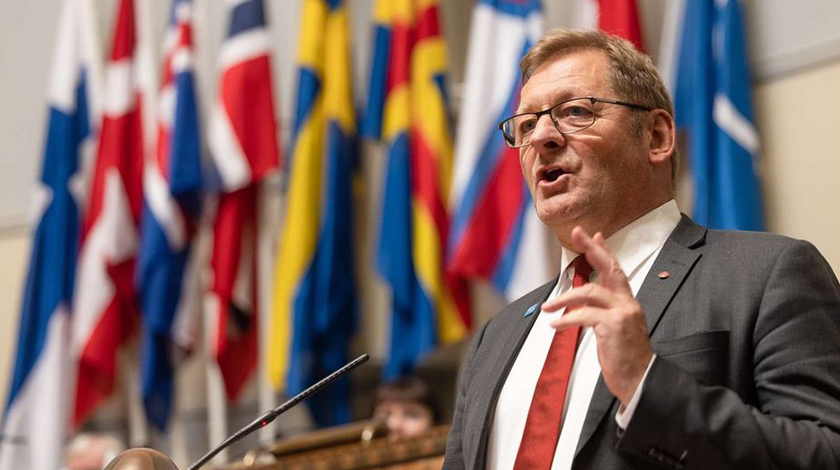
{"x":632,"y":75}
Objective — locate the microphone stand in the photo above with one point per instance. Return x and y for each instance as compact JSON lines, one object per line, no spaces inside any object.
{"x":271,"y":415}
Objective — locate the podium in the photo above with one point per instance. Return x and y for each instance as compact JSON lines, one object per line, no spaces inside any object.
{"x":357,"y":446}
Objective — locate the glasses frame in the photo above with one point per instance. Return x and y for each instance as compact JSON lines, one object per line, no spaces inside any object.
{"x":539,"y":114}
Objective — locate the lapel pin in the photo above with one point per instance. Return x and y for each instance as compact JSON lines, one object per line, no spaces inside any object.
{"x":531,"y":310}
{"x":664,"y":275}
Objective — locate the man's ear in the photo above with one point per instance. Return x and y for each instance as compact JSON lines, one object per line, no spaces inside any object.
{"x":663,"y":136}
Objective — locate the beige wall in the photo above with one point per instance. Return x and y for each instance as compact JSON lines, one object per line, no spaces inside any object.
{"x":797,"y":119}
{"x":14,"y":253}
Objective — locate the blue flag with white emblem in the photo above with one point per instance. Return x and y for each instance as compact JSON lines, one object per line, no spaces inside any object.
{"x":713,"y":104}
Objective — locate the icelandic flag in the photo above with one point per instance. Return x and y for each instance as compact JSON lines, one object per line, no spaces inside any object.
{"x":36,"y":421}
{"x":496,"y":233}
{"x":105,"y":307}
{"x":171,"y":183}
{"x":408,"y":110}
{"x":243,"y":144}
{"x":707,"y":66}
{"x":617,"y":17}
{"x":314,"y":298}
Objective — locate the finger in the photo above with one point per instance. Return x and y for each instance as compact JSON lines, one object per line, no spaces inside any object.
{"x":581,"y":240}
{"x":601,"y":259}
{"x":597,"y":254}
{"x":590,"y":294}
{"x":583,"y":317}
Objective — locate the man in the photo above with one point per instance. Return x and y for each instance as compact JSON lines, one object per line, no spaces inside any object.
{"x":679,"y":346}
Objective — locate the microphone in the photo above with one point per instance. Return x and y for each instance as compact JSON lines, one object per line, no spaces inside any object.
{"x":271,"y":415}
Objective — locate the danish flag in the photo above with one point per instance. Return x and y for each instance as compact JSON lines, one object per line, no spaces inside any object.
{"x":105,"y":307}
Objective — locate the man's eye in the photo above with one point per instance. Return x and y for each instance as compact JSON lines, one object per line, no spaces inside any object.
{"x":527,"y":125}
{"x":576,"y":112}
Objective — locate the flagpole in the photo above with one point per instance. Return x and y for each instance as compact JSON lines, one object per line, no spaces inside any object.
{"x":669,"y":43}
{"x":268,"y":215}
{"x":138,"y":427}
{"x":216,"y":398}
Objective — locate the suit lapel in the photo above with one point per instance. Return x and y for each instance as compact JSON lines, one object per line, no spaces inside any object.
{"x":523,"y":320}
{"x":677,"y":257}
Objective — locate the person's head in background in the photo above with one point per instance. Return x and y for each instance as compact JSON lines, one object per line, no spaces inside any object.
{"x":406,"y":407}
{"x":91,"y":451}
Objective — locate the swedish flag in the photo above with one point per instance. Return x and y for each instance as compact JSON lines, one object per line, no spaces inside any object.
{"x":315,"y":292}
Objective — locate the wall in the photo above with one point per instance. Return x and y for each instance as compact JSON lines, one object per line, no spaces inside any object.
{"x":797,"y":119}
{"x":14,"y":249}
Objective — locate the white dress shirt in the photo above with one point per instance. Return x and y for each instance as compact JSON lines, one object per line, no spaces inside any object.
{"x":636,"y":246}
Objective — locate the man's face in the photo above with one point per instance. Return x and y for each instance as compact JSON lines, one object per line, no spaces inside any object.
{"x":404,"y":419}
{"x":592,"y":177}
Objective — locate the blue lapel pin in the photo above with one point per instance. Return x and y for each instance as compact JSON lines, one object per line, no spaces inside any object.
{"x":531,"y":310}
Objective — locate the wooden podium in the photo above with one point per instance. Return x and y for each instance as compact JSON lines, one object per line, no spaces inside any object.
{"x":356,"y":446}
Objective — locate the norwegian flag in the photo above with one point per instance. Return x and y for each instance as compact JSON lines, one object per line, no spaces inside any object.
{"x":243,"y":145}
{"x":168,"y":278}
{"x":104,"y":304}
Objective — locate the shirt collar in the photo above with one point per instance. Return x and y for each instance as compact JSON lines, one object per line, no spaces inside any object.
{"x":636,"y":241}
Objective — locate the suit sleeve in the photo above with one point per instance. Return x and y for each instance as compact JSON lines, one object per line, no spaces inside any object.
{"x":794,"y":419}
{"x":454,"y":457}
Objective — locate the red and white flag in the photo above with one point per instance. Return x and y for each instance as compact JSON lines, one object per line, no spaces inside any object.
{"x":105,"y":308}
{"x":618,"y":17}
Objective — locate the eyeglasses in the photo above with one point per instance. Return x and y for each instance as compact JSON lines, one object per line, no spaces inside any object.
{"x":568,"y":116}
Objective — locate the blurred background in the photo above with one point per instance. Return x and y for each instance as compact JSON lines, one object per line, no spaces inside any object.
{"x":299,"y":64}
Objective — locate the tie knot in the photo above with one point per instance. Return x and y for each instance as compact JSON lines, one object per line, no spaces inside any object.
{"x":582,"y":271}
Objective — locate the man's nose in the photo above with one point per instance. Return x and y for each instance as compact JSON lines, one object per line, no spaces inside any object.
{"x":546,"y":136}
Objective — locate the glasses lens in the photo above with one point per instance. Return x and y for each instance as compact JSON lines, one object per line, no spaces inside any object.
{"x":517,"y":130}
{"x":573,"y":115}
{"x":570,"y":116}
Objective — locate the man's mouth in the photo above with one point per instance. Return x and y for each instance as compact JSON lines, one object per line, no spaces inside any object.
{"x":550,"y":175}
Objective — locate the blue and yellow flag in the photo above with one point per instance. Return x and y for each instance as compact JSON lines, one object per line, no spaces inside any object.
{"x":408,"y":110}
{"x":314,"y":312}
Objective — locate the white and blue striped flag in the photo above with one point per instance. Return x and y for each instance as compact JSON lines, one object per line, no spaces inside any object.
{"x":705,"y":63}
{"x":37,"y":418}
{"x":495,"y":231}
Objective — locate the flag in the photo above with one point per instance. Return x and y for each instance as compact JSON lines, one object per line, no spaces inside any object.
{"x":616,"y":17}
{"x":315,"y":291}
{"x":37,"y":417}
{"x":105,"y":307}
{"x":408,"y":110}
{"x":171,"y":184}
{"x":707,"y":67}
{"x":496,"y":233}
{"x":243,"y":145}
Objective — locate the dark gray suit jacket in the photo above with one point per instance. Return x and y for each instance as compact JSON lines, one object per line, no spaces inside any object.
{"x":747,"y":334}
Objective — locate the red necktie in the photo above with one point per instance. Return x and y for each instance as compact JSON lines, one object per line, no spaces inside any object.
{"x":542,"y":428}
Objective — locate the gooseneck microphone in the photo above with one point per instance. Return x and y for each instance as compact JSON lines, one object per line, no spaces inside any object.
{"x":271,"y":415}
